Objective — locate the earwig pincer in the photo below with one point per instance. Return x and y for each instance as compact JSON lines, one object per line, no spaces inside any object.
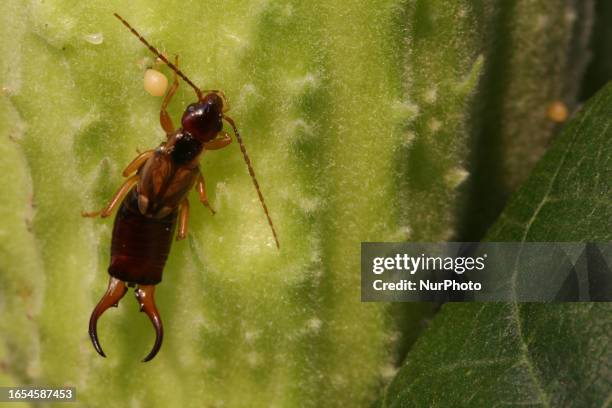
{"x":154,"y":198}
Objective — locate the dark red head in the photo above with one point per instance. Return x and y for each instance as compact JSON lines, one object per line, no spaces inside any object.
{"x":204,"y":119}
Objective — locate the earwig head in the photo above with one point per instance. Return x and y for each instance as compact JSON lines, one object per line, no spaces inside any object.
{"x":203,"y":119}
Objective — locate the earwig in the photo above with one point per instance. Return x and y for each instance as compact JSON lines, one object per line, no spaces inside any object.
{"x":154,"y":198}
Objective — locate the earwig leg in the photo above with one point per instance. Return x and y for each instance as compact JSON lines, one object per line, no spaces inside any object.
{"x":115,"y":291}
{"x":137,"y":162}
{"x":183,"y":220}
{"x":164,"y":117}
{"x":145,"y":297}
{"x":201,"y":187}
{"x":218,"y":143}
{"x":116,"y":200}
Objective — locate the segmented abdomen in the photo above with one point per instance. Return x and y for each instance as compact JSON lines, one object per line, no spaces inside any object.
{"x":140,"y":244}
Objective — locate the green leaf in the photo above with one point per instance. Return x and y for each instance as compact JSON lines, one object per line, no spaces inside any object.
{"x":548,"y":355}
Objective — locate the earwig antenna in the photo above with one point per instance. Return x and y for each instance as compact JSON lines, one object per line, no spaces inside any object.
{"x":252,"y":173}
{"x":160,"y":56}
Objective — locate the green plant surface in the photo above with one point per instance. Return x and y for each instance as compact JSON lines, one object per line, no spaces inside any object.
{"x":440,"y":76}
{"x":323,"y":95}
{"x":544,"y":355}
{"x":546,"y":56}
{"x":536,"y":53}
{"x":21,"y":291}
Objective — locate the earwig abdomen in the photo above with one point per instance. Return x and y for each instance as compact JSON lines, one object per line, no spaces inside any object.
{"x":140,"y":244}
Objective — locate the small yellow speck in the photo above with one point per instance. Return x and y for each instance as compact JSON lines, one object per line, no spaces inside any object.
{"x":557,"y":112}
